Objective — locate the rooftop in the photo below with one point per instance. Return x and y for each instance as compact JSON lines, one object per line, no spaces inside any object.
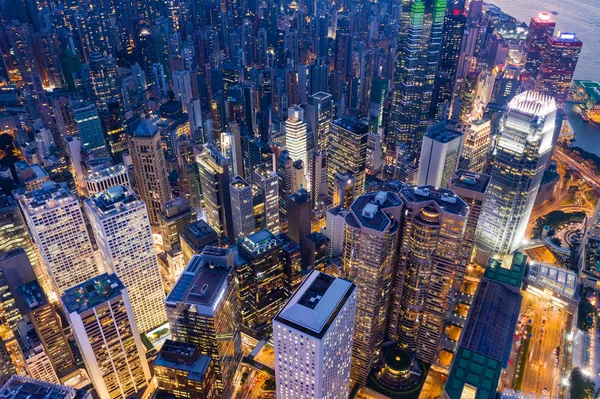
{"x":470,"y":372}
{"x":260,"y":242}
{"x":204,"y":280}
{"x":470,"y":181}
{"x":174,"y":208}
{"x":351,"y":124}
{"x":239,"y":183}
{"x":561,"y":281}
{"x":532,"y":103}
{"x":446,"y":199}
{"x":33,"y":295}
{"x":91,"y":293}
{"x":22,"y":387}
{"x":200,"y":233}
{"x":114,"y":200}
{"x":106,"y":173}
{"x":316,"y":303}
{"x":183,"y":356}
{"x":50,"y":195}
{"x":508,"y":270}
{"x":146,"y":128}
{"x":441,"y":133}
{"x":368,"y":210}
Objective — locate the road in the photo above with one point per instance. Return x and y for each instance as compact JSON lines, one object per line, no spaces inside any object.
{"x":587,"y":173}
{"x":541,"y":374}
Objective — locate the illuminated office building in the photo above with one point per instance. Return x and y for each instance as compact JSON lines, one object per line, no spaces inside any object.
{"x":57,"y":226}
{"x":104,"y":328}
{"x":88,"y":125}
{"x":558,"y":66}
{"x":296,"y":135}
{"x":260,"y":267}
{"x":106,"y":178}
{"x":268,"y":181}
{"x":371,"y":237}
{"x":319,"y":112}
{"x":242,"y":208}
{"x":440,"y":153}
{"x":541,"y":27}
{"x":313,"y":339}
{"x":429,"y":268}
{"x":150,"y":167}
{"x":347,"y":152}
{"x":19,"y":385}
{"x":525,"y":142}
{"x":214,"y":180}
{"x":203,"y":310}
{"x":175,"y":215}
{"x":476,"y":145}
{"x":121,"y":227}
{"x":181,"y":372}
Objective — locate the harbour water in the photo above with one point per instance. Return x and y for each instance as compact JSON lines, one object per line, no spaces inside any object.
{"x":583,"y":18}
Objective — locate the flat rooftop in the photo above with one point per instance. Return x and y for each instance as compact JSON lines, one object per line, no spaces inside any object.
{"x":239,"y":183}
{"x":446,"y":199}
{"x":509,"y":270}
{"x":184,"y":357}
{"x":22,"y":387}
{"x":368,"y":210}
{"x":203,"y":281}
{"x":260,"y":242}
{"x":114,"y":200}
{"x":471,"y":181}
{"x":106,"y":173}
{"x":316,"y":303}
{"x":33,"y":295}
{"x":51,"y":195}
{"x":351,"y":124}
{"x":91,"y":293}
{"x":442,"y":133}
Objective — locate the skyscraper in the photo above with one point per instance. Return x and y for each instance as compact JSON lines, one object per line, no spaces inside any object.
{"x":120,"y":224}
{"x":371,"y":237}
{"x":48,"y":326}
{"x":268,"y":181}
{"x":203,"y":310}
{"x":429,"y":267}
{"x":558,"y":65}
{"x":296,"y":135}
{"x":88,"y":124}
{"x":313,"y":339}
{"x":517,"y":164}
{"x":104,"y":328}
{"x":416,"y":65}
{"x":471,"y":188}
{"x":56,"y":223}
{"x":106,"y":178}
{"x":214,"y":180}
{"x":19,"y":385}
{"x":241,"y":202}
{"x":260,"y":266}
{"x":476,"y":145}
{"x":150,"y":168}
{"x":347,"y":152}
{"x":299,"y":215}
{"x":541,"y":28}
{"x":319,"y":112}
{"x":440,"y":153}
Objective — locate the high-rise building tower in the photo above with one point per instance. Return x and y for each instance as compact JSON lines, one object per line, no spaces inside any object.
{"x":440,"y":153}
{"x":541,"y":28}
{"x":214,"y":180}
{"x":347,"y":152}
{"x":56,"y":223}
{"x":19,"y":385}
{"x":471,"y":187}
{"x":476,"y":145}
{"x":313,"y":339}
{"x":48,"y":326}
{"x":319,"y":112}
{"x":86,"y":118}
{"x":203,"y":310}
{"x":416,"y":66}
{"x":182,"y":372}
{"x":14,"y":234}
{"x":296,"y":135}
{"x":268,"y":181}
{"x":429,"y":267}
{"x":518,"y":160}
{"x":120,"y":223}
{"x":182,"y":86}
{"x":371,"y":236}
{"x":241,"y":202}
{"x":558,"y":66}
{"x":150,"y":167}
{"x":260,"y":267}
{"x":106,"y":178}
{"x":299,"y":215}
{"x":104,"y":328}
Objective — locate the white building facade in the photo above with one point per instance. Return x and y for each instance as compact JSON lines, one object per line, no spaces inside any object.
{"x":313,"y":336}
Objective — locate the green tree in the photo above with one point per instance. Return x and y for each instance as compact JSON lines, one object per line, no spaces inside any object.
{"x":582,"y":387}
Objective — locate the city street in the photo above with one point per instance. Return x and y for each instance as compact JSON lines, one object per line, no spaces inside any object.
{"x":547,"y":330}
